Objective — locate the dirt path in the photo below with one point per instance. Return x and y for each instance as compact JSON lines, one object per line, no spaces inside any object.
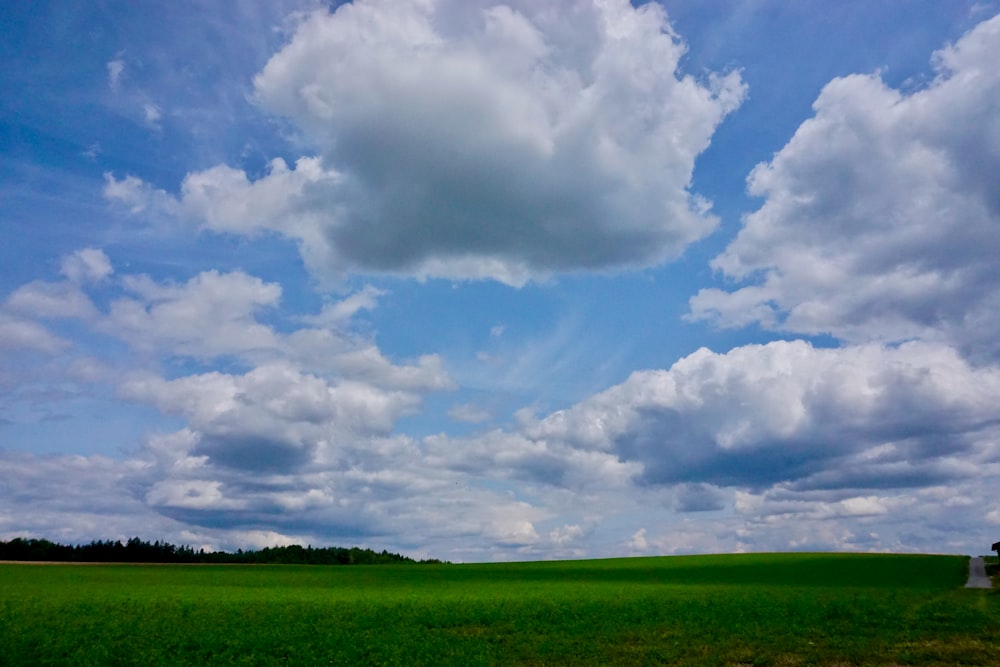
{"x":977,"y":574}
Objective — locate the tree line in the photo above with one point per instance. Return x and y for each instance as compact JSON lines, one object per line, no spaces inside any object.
{"x":139,"y":551}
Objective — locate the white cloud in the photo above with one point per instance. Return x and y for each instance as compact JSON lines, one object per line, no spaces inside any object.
{"x":225,"y":200}
{"x":567,"y":534}
{"x":860,"y":417}
{"x":275,"y":417}
{"x":215,"y":315}
{"x":191,"y":494}
{"x":51,"y":300}
{"x":116,"y":68}
{"x":212,"y":314}
{"x":638,"y":541}
{"x":68,"y":497}
{"x":512,"y":532}
{"x":537,"y":138}
{"x":17,"y":333}
{"x":339,"y":312}
{"x":880,"y":215}
{"x":152,"y":115}
{"x":330,"y":351}
{"x":139,"y":197}
{"x":86,"y":265}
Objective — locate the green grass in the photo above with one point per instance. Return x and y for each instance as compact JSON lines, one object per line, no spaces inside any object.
{"x":773,"y":609}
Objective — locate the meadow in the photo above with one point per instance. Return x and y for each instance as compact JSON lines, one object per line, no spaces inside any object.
{"x":767,"y":609}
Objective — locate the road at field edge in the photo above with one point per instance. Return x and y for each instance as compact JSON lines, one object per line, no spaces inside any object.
{"x":977,"y":574}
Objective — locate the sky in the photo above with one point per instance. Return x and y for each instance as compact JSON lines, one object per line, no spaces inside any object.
{"x":479,"y":281}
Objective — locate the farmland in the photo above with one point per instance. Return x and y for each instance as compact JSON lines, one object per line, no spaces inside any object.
{"x":768,"y":609}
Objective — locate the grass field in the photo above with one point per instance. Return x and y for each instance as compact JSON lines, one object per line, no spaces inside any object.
{"x":778,"y":609}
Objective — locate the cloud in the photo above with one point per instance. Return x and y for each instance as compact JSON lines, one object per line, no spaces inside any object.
{"x":273,"y":417}
{"x":537,"y":138}
{"x":337,"y":313}
{"x":880,"y":214}
{"x":86,"y":265}
{"x":17,"y":333}
{"x":638,"y":540}
{"x":699,"y":498}
{"x":50,"y":300}
{"x":513,"y":533}
{"x":568,"y":534}
{"x":213,"y":314}
{"x":378,"y":493}
{"x":138,"y":197}
{"x":116,"y":68}
{"x":69,"y":497}
{"x":865,"y":417}
{"x":152,"y":115}
{"x":326,"y":350}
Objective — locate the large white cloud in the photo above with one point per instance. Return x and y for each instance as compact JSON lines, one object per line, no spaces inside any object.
{"x":864,"y":417}
{"x":881,"y":215}
{"x":274,"y":417}
{"x":476,"y":140}
{"x":777,"y":446}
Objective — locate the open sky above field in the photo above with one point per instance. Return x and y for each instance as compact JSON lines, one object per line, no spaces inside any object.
{"x":467,"y":280}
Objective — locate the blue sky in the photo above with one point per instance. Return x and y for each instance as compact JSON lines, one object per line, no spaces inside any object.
{"x":480,"y":281}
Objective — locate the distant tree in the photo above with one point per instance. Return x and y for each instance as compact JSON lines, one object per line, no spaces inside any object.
{"x":136,"y":550}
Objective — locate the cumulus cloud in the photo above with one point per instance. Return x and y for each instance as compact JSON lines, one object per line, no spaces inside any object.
{"x":50,"y":300}
{"x":277,"y":416}
{"x":880,"y":215}
{"x":568,"y":534}
{"x":470,"y":140}
{"x":273,"y":417}
{"x":86,"y":265}
{"x":138,"y":197}
{"x":23,"y":314}
{"x":638,"y":540}
{"x":17,"y":333}
{"x":211,"y":315}
{"x":864,"y":417}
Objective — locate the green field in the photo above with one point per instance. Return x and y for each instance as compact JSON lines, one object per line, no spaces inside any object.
{"x":777,"y":609}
